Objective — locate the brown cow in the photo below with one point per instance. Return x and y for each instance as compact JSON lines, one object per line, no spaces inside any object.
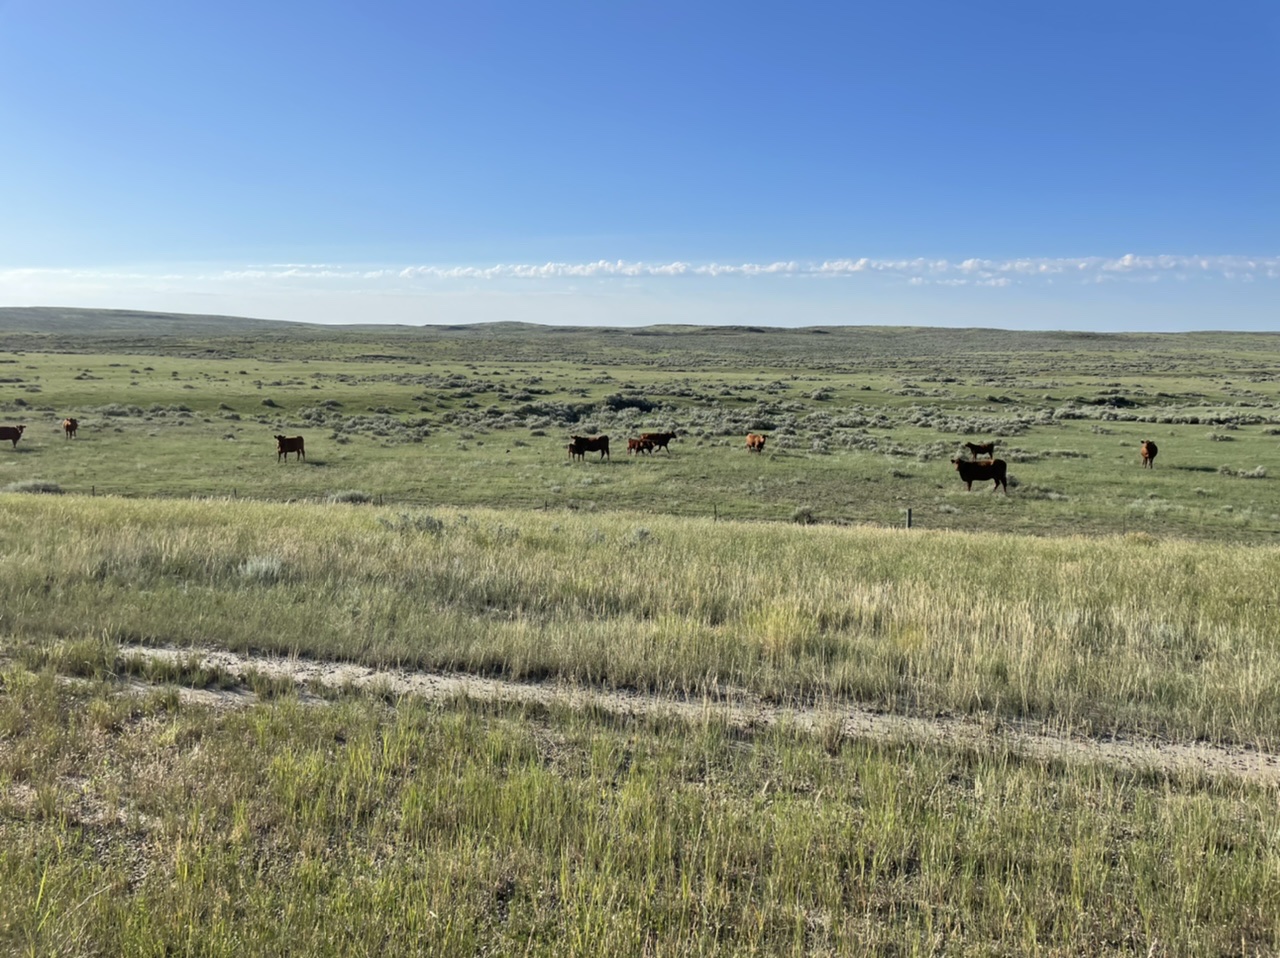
{"x":981,"y":471}
{"x":977,"y":449}
{"x":576,"y":451}
{"x":1148,"y":452}
{"x":11,"y":432}
{"x":69,"y":426}
{"x":598,"y":444}
{"x":755,"y":443}
{"x":659,"y":439}
{"x":288,"y":444}
{"x":636,"y":446}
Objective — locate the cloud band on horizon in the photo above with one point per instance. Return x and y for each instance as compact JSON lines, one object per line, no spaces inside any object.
{"x":919,"y":271}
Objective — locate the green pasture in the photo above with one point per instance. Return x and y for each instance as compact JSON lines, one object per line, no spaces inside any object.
{"x":438,"y":523}
{"x":862,"y":424}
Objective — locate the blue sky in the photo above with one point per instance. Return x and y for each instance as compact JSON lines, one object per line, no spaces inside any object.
{"x":1090,"y":166}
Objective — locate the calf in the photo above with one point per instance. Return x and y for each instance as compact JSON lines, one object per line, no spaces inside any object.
{"x":977,"y":449}
{"x":637,"y":446}
{"x":755,"y":443}
{"x":995,"y":469}
{"x":11,"y":432}
{"x":69,"y":426}
{"x":1148,"y":452}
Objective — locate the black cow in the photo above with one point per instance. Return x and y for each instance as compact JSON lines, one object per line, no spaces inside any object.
{"x":659,"y":439}
{"x":981,"y":471}
{"x":598,"y":444}
{"x":288,"y":444}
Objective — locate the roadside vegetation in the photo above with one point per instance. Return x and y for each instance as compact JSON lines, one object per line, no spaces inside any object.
{"x":141,"y":825}
{"x":1127,"y":634}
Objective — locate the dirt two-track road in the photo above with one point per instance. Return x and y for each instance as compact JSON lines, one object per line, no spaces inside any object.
{"x":744,"y":711}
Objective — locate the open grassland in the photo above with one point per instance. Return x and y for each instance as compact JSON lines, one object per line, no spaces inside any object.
{"x":142,"y":825}
{"x":862,"y":422}
{"x":437,"y":523}
{"x":1128,"y":634}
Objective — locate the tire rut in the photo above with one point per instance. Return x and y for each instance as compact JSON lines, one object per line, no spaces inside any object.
{"x":742,"y":710}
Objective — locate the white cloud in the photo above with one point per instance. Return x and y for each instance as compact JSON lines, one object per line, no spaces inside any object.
{"x":21,"y":284}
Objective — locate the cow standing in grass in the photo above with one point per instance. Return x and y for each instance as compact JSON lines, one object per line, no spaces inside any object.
{"x":658,"y":439}
{"x":755,"y":442}
{"x":995,"y":469}
{"x":288,"y":444}
{"x":598,"y":444}
{"x":11,"y":432}
{"x":1148,"y":452}
{"x":69,"y":426}
{"x":977,"y":449}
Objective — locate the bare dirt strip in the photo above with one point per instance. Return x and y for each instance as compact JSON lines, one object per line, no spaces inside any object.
{"x":742,"y":710}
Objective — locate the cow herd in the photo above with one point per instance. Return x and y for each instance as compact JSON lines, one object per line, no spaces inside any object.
{"x":971,"y":470}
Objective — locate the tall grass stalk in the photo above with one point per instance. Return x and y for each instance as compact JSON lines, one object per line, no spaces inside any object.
{"x":1128,"y":633}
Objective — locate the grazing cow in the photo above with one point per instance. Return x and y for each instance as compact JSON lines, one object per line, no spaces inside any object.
{"x":288,"y":444}
{"x":598,"y":444}
{"x":659,"y":439}
{"x":637,"y":446}
{"x":755,"y":443}
{"x":11,"y":432}
{"x":576,"y":451}
{"x":992,"y":469}
{"x":1148,"y":452}
{"x":69,"y":426}
{"x":977,"y":449}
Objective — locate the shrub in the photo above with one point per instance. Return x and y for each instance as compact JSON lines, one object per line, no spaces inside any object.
{"x":414,"y":522}
{"x":352,"y":496}
{"x":1258,"y":472}
{"x":617,"y":402}
{"x":34,"y":486}
{"x":804,"y":516}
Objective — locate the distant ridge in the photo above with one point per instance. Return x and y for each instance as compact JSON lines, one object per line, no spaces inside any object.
{"x":67,"y":329}
{"x":131,"y":322}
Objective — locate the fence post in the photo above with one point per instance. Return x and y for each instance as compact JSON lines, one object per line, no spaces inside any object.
{"x":908,"y":517}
